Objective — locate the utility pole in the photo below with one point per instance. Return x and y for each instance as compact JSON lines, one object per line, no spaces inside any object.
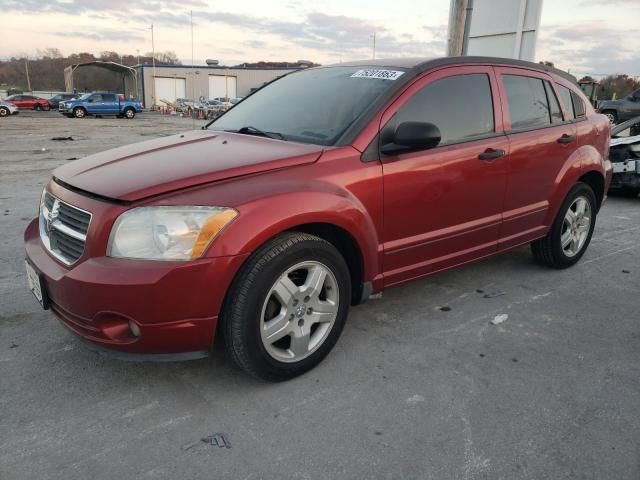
{"x":457,"y":20}
{"x":26,"y":69}
{"x":374,"y":45}
{"x":153,"y":62}
{"x":138,"y":52}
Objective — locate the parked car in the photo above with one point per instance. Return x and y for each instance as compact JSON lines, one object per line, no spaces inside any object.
{"x":273,"y":220}
{"x":8,"y":108}
{"x":98,"y":103}
{"x":625,"y":156}
{"x":54,"y":102}
{"x":28,"y":102}
{"x":622,"y":109}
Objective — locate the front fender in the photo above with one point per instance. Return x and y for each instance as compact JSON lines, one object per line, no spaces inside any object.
{"x":583,"y":160}
{"x":264,"y":219}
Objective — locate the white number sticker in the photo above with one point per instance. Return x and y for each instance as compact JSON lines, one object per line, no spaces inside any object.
{"x":378,"y":74}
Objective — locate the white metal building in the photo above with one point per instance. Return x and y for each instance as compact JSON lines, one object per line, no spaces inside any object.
{"x":182,"y":81}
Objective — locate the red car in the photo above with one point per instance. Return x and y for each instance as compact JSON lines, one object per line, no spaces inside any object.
{"x":273,"y":220}
{"x":29,"y":102}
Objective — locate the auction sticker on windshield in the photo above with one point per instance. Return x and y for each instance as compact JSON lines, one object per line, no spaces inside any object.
{"x":378,"y":74}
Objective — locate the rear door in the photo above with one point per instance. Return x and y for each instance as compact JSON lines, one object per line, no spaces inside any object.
{"x":541,"y":140}
{"x":443,"y":206}
{"x":110,"y":105}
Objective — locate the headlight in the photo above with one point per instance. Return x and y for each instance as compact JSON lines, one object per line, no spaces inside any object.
{"x":167,"y":233}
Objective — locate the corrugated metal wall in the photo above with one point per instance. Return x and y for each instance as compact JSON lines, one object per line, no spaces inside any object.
{"x":197,"y":79}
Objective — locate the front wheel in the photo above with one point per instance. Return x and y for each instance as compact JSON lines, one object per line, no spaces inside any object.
{"x":612,"y":115}
{"x":129,"y":113}
{"x":287,"y":306}
{"x":4,"y":112}
{"x":571,"y":231}
{"x":37,"y":107}
{"x":79,"y":112}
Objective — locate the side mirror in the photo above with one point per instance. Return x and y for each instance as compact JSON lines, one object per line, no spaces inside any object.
{"x":411,"y":137}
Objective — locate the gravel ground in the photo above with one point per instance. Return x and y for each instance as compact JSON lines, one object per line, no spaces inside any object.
{"x":420,"y":386}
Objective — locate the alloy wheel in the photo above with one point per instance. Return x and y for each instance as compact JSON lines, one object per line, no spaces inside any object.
{"x":299,"y":311}
{"x":576,"y":226}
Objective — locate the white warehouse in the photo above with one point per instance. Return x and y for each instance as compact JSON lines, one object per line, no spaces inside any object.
{"x":169,"y":82}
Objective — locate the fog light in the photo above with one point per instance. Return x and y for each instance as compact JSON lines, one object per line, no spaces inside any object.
{"x":135,"y":329}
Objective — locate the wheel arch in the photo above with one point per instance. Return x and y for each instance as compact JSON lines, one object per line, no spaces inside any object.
{"x":584,"y":165}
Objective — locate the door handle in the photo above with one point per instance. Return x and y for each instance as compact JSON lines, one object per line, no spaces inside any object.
{"x":564,"y":139}
{"x":491,"y":154}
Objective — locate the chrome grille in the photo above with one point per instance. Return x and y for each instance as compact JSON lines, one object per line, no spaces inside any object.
{"x":63,"y":228}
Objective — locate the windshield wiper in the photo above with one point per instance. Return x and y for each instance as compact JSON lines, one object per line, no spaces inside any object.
{"x":249,"y":130}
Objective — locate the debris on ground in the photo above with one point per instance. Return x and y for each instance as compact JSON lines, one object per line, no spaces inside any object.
{"x":626,"y":271}
{"x":218,"y":440}
{"x":415,"y":399}
{"x":493,"y":295}
{"x":445,"y":309}
{"x":72,"y":158}
{"x":498,"y":319}
{"x":62,"y":139}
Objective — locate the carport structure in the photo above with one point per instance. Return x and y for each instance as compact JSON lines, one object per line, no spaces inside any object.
{"x":129,"y":76}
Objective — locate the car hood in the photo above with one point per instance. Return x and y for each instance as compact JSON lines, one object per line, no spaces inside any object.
{"x":159,"y":166}
{"x":609,"y":103}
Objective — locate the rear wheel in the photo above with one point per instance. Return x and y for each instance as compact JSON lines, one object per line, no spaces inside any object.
{"x":79,"y":112}
{"x":129,"y":113}
{"x":571,"y":231}
{"x":287,"y":306}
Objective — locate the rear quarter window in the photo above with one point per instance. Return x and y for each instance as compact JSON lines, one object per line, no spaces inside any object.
{"x":567,"y":102}
{"x":527,"y":101}
{"x":579,"y":108}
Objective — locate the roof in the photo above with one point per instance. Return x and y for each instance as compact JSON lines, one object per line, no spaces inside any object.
{"x":219,"y":67}
{"x":419,"y":65}
{"x":113,"y":66}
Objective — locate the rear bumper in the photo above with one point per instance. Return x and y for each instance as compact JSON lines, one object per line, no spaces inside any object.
{"x":174,"y":305}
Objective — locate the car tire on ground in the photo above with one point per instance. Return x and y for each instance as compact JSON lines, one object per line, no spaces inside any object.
{"x":79,"y":112}
{"x":612,"y":115}
{"x":4,"y":112}
{"x":628,"y":192}
{"x":571,"y":230}
{"x":286,"y":307}
{"x":37,"y":107}
{"x":129,"y":113}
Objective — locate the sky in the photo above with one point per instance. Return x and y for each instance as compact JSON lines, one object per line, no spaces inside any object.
{"x":583,"y":36}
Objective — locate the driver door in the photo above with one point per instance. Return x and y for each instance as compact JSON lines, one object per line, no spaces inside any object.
{"x":443,"y":205}
{"x":94,"y":104}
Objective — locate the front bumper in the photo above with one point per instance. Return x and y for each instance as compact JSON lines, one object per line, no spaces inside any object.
{"x":175,"y":305}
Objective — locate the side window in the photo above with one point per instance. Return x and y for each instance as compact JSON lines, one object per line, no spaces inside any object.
{"x":554,"y":107}
{"x":108,"y":98}
{"x":578,"y":105}
{"x":565,"y":98}
{"x":527,"y":101}
{"x":461,"y":106}
{"x":95,"y":98}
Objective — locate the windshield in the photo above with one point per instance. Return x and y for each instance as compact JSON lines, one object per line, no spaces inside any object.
{"x":310,"y":106}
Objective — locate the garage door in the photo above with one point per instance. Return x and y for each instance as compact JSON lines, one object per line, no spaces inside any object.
{"x":221,"y":86}
{"x":170,"y":88}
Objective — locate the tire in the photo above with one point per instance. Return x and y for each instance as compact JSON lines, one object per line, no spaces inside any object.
{"x":627,"y":192}
{"x":549,"y":250}
{"x":129,"y":113}
{"x":4,"y":112}
{"x":37,"y":107}
{"x":612,"y":115}
{"x":272,"y":292}
{"x":79,"y":112}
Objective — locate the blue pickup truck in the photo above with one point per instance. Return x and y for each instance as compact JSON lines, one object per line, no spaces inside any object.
{"x":96,"y":103}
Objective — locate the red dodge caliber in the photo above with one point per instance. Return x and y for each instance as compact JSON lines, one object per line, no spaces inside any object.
{"x":321,"y":188}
